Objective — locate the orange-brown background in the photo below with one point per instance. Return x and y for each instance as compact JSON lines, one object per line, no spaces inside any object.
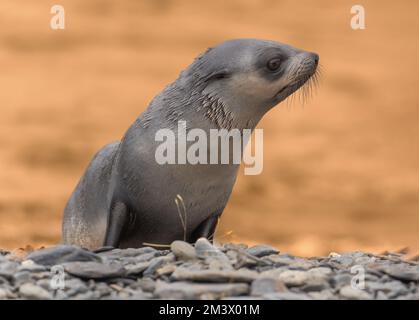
{"x":340,"y":173}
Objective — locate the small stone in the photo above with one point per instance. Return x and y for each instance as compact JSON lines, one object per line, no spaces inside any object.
{"x":145,"y":284}
{"x":334,"y":255}
{"x":29,"y":265}
{"x":8,"y":269}
{"x":319,"y":272}
{"x":94,"y":270}
{"x":403,"y":272}
{"x":349,"y":292}
{"x":294,"y":277}
{"x":317,"y":279}
{"x":86,"y":296}
{"x":315,"y":285}
{"x":44,"y":283}
{"x":286,"y":296}
{"x":138,"y":268}
{"x":147,"y":256}
{"x":244,"y":275}
{"x":263,"y":286}
{"x":341,"y":280}
{"x":291,"y":262}
{"x":33,"y":292}
{"x":242,"y":298}
{"x":322,"y":295}
{"x":61,"y":254}
{"x":166,"y":270}
{"x":157,"y":263}
{"x":183,"y":250}
{"x":187,"y":290}
{"x":205,"y":249}
{"x":3,"y":294}
{"x":392,"y":288}
{"x":75,"y":286}
{"x":365,"y":260}
{"x":22,"y":277}
{"x":381,"y":296}
{"x":125,"y":253}
{"x":262,"y":250}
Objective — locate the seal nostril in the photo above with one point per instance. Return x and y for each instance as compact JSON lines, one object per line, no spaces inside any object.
{"x":315,"y":58}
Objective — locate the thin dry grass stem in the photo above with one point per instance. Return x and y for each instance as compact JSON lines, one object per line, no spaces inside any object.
{"x":157,"y":245}
{"x":223,"y":236}
{"x":180,"y":204}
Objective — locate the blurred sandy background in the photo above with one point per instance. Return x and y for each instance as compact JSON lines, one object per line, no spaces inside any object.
{"x":340,"y":173}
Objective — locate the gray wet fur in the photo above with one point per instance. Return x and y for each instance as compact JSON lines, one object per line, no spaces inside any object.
{"x":125,"y":198}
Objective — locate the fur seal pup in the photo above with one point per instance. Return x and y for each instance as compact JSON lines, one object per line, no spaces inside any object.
{"x":126,"y":199}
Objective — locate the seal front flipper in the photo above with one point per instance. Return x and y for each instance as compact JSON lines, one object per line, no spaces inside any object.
{"x":117,"y":220}
{"x":206,"y":229}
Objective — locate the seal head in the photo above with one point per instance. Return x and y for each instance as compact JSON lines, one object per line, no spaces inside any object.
{"x":250,"y":76}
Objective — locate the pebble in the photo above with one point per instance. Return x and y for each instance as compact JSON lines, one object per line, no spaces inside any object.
{"x":61,"y":254}
{"x":264,"y":286}
{"x":204,"y":249}
{"x":138,"y":268}
{"x":403,"y":272}
{"x":3,"y":294}
{"x":214,"y":275}
{"x":394,"y":287}
{"x":262,"y":250}
{"x":183,"y":250}
{"x":322,"y":295}
{"x":94,"y":270}
{"x":30,"y":265}
{"x":349,"y":292}
{"x":291,"y":262}
{"x":155,"y":264}
{"x":294,"y":277}
{"x":187,"y":290}
{"x":33,"y":292}
{"x":286,"y":296}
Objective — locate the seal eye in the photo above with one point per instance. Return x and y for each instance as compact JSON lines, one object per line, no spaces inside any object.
{"x":274,"y":64}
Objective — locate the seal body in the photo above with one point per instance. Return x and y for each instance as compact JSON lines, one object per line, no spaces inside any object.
{"x":127,"y":199}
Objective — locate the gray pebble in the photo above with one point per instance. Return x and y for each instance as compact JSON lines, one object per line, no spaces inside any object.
{"x":294,"y":277}
{"x":157,"y":263}
{"x":403,"y":272}
{"x":348,"y":292}
{"x":138,"y":268}
{"x":145,"y":284}
{"x":22,"y":277}
{"x":264,"y":286}
{"x":286,"y":296}
{"x":392,"y":288}
{"x":30,"y":265}
{"x":61,"y":254}
{"x":183,"y":250}
{"x":244,"y":275}
{"x":94,"y":270}
{"x":291,"y":262}
{"x":33,"y":292}
{"x":204,"y":249}
{"x":262,"y":250}
{"x":322,"y":295}
{"x":187,"y":290}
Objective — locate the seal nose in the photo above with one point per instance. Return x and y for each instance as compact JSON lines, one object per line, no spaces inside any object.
{"x":315,"y":58}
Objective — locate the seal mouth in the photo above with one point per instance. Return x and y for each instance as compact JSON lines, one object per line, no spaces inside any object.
{"x":307,"y":81}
